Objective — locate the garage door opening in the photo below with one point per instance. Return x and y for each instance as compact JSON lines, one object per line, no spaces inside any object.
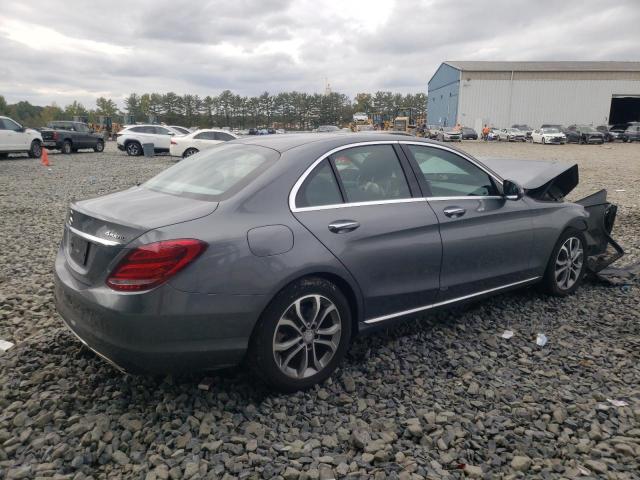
{"x":624,"y":109}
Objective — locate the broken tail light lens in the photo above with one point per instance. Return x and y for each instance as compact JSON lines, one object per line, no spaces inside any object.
{"x":150,"y":265}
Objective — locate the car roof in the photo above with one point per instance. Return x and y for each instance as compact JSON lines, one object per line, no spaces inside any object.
{"x":288,"y":141}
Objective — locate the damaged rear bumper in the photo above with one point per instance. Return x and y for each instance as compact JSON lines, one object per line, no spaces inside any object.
{"x":603,"y":250}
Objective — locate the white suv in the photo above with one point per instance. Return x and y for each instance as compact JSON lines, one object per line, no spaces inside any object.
{"x":14,"y":138}
{"x":132,"y":137}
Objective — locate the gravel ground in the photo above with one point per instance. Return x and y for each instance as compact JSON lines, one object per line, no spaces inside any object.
{"x":442,"y":397}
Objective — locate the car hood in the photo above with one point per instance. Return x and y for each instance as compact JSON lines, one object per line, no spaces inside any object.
{"x":533,"y":174}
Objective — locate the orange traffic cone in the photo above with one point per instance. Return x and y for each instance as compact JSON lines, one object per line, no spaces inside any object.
{"x":44,"y":157}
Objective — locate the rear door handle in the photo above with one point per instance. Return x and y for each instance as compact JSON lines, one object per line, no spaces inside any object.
{"x":454,"y":212}
{"x":343,"y":226}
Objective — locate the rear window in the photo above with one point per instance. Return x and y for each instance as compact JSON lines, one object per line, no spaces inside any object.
{"x":216,"y":173}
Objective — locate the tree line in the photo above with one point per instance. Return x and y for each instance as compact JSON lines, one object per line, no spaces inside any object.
{"x":288,"y":110}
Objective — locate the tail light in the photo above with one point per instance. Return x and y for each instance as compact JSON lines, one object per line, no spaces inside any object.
{"x":148,"y":266}
{"x":173,"y":142}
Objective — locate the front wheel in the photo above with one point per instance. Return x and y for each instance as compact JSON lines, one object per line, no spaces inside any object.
{"x":35,"y":150}
{"x":567,"y":264}
{"x":302,"y":335}
{"x":67,"y":148}
{"x":133,"y":149}
{"x":99,"y":147}
{"x":543,"y":140}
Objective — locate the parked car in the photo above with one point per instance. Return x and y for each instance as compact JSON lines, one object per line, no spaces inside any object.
{"x":327,"y":128}
{"x":524,"y":128}
{"x":179,"y":129}
{"x":469,"y":133}
{"x":583,"y":134}
{"x":14,"y":138}
{"x":70,"y":137}
{"x":511,"y":135}
{"x":632,"y":133}
{"x":548,"y":135}
{"x":187,"y":145}
{"x":255,"y":250}
{"x":360,"y":117}
{"x":493,"y":134}
{"x":132,"y":137}
{"x":609,"y":135}
{"x":449,"y":134}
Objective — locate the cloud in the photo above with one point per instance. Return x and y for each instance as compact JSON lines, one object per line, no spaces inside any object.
{"x":52,"y":51}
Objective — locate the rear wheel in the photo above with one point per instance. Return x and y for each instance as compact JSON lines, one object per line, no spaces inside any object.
{"x":133,"y":149}
{"x":302,"y":335}
{"x":189,"y":151}
{"x":67,"y":148}
{"x":99,"y":146}
{"x":567,"y":264}
{"x":35,"y":151}
{"x":543,"y":140}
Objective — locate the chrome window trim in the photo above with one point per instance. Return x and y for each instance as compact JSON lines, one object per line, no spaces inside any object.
{"x":94,"y":239}
{"x":305,"y":174}
{"x":446,"y":302}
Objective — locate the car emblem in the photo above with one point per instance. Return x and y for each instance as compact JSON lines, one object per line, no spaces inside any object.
{"x":114,"y":235}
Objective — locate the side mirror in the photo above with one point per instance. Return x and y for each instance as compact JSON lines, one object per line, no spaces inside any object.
{"x":22,"y":129}
{"x":511,"y":190}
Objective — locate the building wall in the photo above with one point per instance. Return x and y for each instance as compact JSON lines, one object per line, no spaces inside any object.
{"x":535,"y":98}
{"x":442,"y":97}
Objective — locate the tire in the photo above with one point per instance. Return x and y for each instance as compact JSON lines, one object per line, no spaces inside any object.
{"x":66,"y":147}
{"x":99,"y":147}
{"x":134,"y":149}
{"x":543,"y":141}
{"x":293,"y":366}
{"x":4,"y":156}
{"x":554,"y":281}
{"x":189,"y":151}
{"x":35,"y":150}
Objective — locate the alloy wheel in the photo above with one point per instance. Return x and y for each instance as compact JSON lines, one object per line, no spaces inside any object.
{"x":133,"y":149}
{"x":307,"y":336}
{"x":569,"y":263}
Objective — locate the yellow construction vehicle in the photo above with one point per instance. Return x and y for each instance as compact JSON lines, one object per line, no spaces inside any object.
{"x":407,"y":120}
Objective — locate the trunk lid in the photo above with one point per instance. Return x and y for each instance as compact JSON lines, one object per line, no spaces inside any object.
{"x":97,"y":230}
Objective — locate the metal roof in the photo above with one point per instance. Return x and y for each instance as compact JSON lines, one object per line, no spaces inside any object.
{"x":559,"y":66}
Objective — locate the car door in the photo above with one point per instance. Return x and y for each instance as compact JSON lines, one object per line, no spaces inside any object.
{"x":5,"y":138}
{"x":162,"y":138}
{"x":12,"y":137}
{"x":85,"y":138}
{"x":364,"y":205}
{"x":536,"y":136}
{"x":206,"y":140}
{"x":486,"y":239}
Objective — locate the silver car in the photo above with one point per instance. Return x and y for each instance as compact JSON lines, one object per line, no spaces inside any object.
{"x":281,"y":249}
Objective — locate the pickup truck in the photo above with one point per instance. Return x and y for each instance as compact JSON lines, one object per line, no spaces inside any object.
{"x":70,"y":137}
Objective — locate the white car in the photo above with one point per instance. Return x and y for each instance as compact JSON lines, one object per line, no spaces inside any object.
{"x":14,"y":138}
{"x":197,"y":141}
{"x":132,"y":137}
{"x":512,"y":135}
{"x":548,"y":135}
{"x":360,"y":117}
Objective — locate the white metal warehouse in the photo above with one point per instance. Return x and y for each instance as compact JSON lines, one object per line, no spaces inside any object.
{"x":502,"y":94}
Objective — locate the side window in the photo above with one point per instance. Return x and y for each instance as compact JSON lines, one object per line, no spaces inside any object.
{"x":319,"y":188}
{"x":160,"y":130}
{"x":9,"y":125}
{"x":225,"y":137}
{"x":449,"y":175}
{"x":205,"y":136}
{"x":138,"y":130}
{"x":2,"y":125}
{"x":371,"y":173}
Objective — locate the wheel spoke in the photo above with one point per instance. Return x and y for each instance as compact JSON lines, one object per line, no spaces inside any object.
{"x":285,"y":322}
{"x":288,"y":358}
{"x":335,"y":328}
{"x":327,"y":311}
{"x":316,"y":362}
{"x":287,"y":344}
{"x":327,"y":343}
{"x":304,"y":362}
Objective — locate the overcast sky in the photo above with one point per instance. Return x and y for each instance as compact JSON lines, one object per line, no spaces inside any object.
{"x":58,"y":51}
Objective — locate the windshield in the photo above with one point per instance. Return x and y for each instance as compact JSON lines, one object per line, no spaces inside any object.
{"x":550,"y":130}
{"x":450,"y":130}
{"x":211,"y":174}
{"x":588,"y":129}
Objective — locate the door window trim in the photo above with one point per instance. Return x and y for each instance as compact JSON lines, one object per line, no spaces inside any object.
{"x":296,"y":187}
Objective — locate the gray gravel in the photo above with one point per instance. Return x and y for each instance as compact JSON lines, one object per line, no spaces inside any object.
{"x":445,"y":397}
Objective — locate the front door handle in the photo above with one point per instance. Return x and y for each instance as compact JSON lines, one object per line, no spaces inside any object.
{"x":454,"y":212}
{"x":343,"y":226}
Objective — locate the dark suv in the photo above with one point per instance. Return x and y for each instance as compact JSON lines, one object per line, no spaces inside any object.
{"x":583,"y":134}
{"x":70,"y":137}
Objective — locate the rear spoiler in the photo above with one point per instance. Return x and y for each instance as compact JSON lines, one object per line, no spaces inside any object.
{"x":602,"y":216}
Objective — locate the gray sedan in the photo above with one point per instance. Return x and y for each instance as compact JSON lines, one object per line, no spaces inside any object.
{"x":281,"y":249}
